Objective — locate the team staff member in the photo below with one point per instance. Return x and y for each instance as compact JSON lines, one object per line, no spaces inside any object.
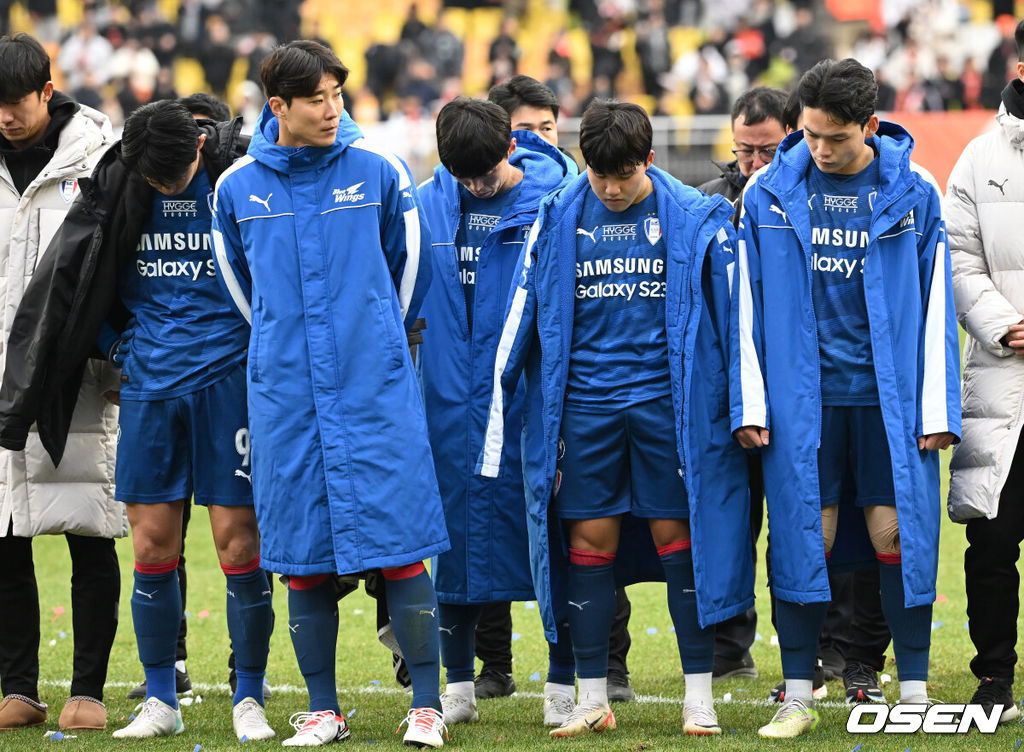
{"x":846,"y":365}
{"x":321,"y":245}
{"x":619,"y":319}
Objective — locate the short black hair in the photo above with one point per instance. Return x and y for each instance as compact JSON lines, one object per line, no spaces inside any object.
{"x":206,"y":105}
{"x":295,"y":69}
{"x":615,"y":136}
{"x":473,"y":136}
{"x":160,"y":141}
{"x":522,"y":90}
{"x":759,"y":104}
{"x":25,"y":66}
{"x":845,"y":90}
{"x":1018,"y":38}
{"x":791,"y":113}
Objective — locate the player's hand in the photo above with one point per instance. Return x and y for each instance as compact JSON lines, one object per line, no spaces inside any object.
{"x":751,"y":437}
{"x":113,"y":396}
{"x":1014,"y":338}
{"x":934,"y":441}
{"x":123,"y":345}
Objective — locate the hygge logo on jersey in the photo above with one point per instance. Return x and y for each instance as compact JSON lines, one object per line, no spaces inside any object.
{"x":840,"y":203}
{"x":349,"y":195}
{"x":482,"y":221}
{"x":910,"y":718}
{"x":625,"y":231}
{"x":185,"y":209}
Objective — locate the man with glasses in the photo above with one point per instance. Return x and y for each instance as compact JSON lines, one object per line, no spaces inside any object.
{"x":757,"y":128}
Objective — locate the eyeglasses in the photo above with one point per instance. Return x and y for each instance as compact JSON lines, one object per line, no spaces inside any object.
{"x":747,"y":155}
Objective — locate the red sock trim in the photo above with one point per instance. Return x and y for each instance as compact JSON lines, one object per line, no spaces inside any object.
{"x":251,"y":566}
{"x":889,"y":558}
{"x":403,"y":573}
{"x":306,"y":581}
{"x":671,"y":548}
{"x":589,"y":558}
{"x":164,"y":568}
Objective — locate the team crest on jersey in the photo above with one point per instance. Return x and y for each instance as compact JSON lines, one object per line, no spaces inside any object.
{"x":68,"y":189}
{"x":652,"y":229}
{"x":209,"y":201}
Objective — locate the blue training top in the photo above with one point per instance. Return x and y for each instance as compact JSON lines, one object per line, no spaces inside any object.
{"x":186,"y":336}
{"x":840,"y":213}
{"x":619,"y":351}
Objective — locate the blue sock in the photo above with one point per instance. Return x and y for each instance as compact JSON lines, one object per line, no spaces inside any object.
{"x":250,"y":616}
{"x":561,"y":662}
{"x":156,"y":612}
{"x":412,"y":604}
{"x":911,"y":627}
{"x":313,"y":623}
{"x":696,"y":645}
{"x":457,"y":624}
{"x":798,"y":626}
{"x":591,"y":611}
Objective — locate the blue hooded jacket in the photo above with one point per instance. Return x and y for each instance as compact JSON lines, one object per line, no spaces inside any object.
{"x":536,"y":342}
{"x":323,"y":250}
{"x":775,"y":376}
{"x":486,"y":518}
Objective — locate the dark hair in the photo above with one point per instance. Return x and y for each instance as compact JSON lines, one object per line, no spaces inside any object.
{"x":1018,"y":37}
{"x":522,"y":90}
{"x":206,"y":105}
{"x":295,"y":69}
{"x":791,"y":113}
{"x":473,"y":136}
{"x":25,"y":66}
{"x":845,"y":90}
{"x":160,"y":140}
{"x":759,"y":104}
{"x":615,"y":136}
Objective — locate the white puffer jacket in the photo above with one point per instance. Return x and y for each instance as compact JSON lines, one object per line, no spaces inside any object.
{"x":984,"y":206}
{"x":77,"y":497}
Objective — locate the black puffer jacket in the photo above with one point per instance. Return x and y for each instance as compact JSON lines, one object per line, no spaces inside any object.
{"x":729,"y":184}
{"x":74,"y":290}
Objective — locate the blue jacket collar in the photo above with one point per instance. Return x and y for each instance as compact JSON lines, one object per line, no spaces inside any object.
{"x":264,"y":148}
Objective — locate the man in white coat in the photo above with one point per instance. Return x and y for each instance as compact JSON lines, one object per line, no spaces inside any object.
{"x":983,"y":205}
{"x":48,"y":142}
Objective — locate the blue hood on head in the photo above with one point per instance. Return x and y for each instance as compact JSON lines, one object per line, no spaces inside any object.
{"x":264,"y":148}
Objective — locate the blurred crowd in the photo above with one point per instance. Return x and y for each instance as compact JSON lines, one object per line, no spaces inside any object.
{"x":676,"y":57}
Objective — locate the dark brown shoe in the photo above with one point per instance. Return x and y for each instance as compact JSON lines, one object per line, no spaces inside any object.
{"x":83,"y":713}
{"x":18,"y":711}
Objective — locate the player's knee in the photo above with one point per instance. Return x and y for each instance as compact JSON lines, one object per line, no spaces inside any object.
{"x":884,"y":529}
{"x":829,"y":523}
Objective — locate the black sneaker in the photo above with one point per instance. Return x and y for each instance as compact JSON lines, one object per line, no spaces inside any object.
{"x":993,"y":691}
{"x":494,"y":684}
{"x":861,"y":682}
{"x":618,"y":687}
{"x":731,"y":668}
{"x":818,"y":689}
{"x":182,"y":684}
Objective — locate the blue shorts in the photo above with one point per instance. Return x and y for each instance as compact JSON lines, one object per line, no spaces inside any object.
{"x":194,"y":445}
{"x":620,"y":461}
{"x":854,"y":456}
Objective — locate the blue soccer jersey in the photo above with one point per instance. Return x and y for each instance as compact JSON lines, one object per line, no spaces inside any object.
{"x":619,"y":346}
{"x":479,"y":217}
{"x":840,"y":214}
{"x":186,"y":335}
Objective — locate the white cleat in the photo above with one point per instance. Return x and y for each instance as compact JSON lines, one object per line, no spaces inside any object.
{"x":155,"y":718}
{"x":700,"y":720}
{"x":317,"y":729}
{"x":250,"y":721}
{"x":586,"y":718}
{"x":557,"y":708}
{"x":424,"y":728}
{"x":458,"y":709}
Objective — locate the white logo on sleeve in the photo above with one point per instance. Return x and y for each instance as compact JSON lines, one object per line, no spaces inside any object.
{"x":265,"y":201}
{"x":349,"y":195}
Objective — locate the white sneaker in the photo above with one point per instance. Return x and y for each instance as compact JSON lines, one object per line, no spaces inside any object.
{"x":795,"y":717}
{"x":155,"y":718}
{"x":587,"y":716}
{"x":317,"y":729}
{"x":425,"y":727}
{"x":700,"y":720}
{"x":250,"y":721}
{"x":458,"y":709}
{"x":557,"y":708}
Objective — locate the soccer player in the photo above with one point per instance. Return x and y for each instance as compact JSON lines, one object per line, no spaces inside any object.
{"x":845,"y":371}
{"x":322,"y":247}
{"x":619,"y":320}
{"x":481,"y":202}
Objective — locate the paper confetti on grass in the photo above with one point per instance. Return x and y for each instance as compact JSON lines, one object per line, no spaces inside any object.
{"x":652,"y":630}
{"x":530,"y":604}
{"x":515,"y":636}
{"x":57,"y":611}
{"x":203,"y":614}
{"x":535,"y":676}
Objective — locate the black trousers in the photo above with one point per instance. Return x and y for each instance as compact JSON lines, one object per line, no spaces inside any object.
{"x":990,"y":571}
{"x":95,"y":589}
{"x":494,"y":636}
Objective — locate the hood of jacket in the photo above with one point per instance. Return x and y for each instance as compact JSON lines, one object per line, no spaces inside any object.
{"x":1011,"y":113}
{"x":265,"y":149}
